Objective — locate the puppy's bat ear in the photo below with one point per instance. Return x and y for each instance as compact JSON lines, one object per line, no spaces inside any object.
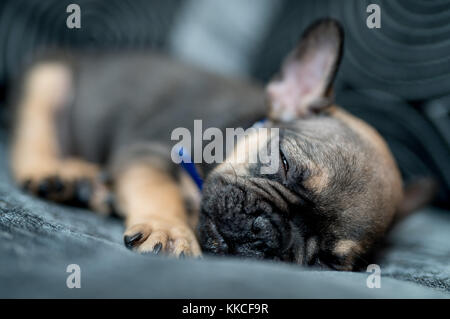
{"x":304,"y":84}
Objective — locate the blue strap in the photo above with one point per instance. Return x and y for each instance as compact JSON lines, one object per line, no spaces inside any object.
{"x":190,"y":168}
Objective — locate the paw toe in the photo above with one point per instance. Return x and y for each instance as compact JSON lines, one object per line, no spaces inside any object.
{"x":176,"y":240}
{"x":43,"y":188}
{"x":132,"y":241}
{"x":181,"y":247}
{"x":157,"y":248}
{"x":156,"y":242}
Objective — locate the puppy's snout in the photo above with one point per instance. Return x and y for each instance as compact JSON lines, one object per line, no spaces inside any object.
{"x":265,"y":231}
{"x":262,"y":227}
{"x":236,"y":220}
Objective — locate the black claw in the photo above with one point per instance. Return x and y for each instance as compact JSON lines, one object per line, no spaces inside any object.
{"x":43,"y":188}
{"x":157,"y":248}
{"x":131,"y":241}
{"x":182,"y":255}
{"x":58,"y":185}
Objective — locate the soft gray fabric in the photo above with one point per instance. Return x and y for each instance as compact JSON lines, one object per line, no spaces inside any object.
{"x":39,"y":239}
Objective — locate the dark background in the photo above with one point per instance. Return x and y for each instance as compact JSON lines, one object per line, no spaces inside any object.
{"x":397,"y":77}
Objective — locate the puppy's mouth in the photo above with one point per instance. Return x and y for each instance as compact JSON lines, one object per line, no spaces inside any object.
{"x":261,"y":241}
{"x":235,"y":220}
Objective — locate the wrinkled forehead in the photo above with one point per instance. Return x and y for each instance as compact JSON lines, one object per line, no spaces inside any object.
{"x":333,"y":154}
{"x":323,"y":146}
{"x":257,"y":146}
{"x":321,"y":139}
{"x":321,"y":128}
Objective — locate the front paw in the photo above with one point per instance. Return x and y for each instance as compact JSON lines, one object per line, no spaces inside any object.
{"x":173,"y":238}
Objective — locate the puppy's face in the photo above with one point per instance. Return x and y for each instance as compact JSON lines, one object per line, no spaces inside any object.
{"x":336,"y":187}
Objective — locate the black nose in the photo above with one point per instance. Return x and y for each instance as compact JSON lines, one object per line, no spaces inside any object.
{"x":236,"y":220}
{"x":263,"y":229}
{"x":266,"y":235}
{"x":259,"y":238}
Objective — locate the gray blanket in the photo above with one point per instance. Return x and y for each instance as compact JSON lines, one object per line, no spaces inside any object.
{"x":38,"y":240}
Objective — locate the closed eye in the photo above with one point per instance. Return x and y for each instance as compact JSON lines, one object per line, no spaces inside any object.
{"x":284,"y":163}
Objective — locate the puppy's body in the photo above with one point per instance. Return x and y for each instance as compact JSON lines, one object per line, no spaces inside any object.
{"x":336,"y":198}
{"x":82,"y":115}
{"x":124,"y":99}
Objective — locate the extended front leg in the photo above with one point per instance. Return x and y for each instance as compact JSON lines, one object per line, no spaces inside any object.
{"x":156,"y":218}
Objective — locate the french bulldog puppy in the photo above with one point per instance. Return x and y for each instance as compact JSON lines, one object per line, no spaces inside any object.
{"x":334,"y":196}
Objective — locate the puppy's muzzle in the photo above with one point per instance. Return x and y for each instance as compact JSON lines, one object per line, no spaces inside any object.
{"x":260,"y":239}
{"x":237,"y":221}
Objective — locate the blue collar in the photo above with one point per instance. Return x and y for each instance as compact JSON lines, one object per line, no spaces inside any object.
{"x":191,"y":169}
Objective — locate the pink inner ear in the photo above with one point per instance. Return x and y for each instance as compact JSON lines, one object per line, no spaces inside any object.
{"x":302,"y":82}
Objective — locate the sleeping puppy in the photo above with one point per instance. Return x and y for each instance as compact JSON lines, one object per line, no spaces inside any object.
{"x":334,"y":196}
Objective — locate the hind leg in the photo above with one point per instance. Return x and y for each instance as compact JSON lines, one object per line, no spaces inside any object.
{"x":36,"y":160}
